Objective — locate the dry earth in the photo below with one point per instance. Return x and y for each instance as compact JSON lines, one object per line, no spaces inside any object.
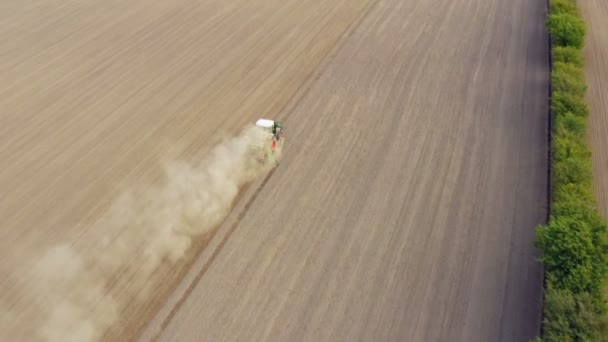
{"x":405,"y":207}
{"x":94,"y":95}
{"x":596,"y":57}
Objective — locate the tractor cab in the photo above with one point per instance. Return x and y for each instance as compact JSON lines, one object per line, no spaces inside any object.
{"x":274,"y":127}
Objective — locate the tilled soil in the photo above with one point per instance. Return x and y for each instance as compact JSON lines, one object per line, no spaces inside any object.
{"x":414,"y":169}
{"x":596,"y":58}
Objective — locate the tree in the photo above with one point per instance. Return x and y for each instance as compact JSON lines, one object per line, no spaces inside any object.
{"x":566,"y":29}
{"x":573,"y":317}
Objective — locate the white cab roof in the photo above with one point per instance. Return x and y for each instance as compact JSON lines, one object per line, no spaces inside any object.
{"x":265,"y":123}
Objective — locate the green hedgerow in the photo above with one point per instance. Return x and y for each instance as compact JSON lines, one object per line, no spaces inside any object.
{"x":573,"y":317}
{"x":563,"y":6}
{"x":568,"y":78}
{"x":564,"y":102}
{"x":576,"y":125}
{"x":572,"y":255}
{"x":571,"y":161}
{"x":575,"y":241}
{"x":567,"y":146}
{"x":572,"y":170}
{"x":573,"y":199}
{"x":567,"y":54}
{"x":566,"y":29}
{"x":579,"y":210}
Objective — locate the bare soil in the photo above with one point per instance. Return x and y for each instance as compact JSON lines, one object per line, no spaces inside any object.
{"x":414,"y":170}
{"x":415,"y":174}
{"x":596,"y":58}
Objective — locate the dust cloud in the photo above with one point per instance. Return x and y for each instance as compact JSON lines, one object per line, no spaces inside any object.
{"x":76,"y":292}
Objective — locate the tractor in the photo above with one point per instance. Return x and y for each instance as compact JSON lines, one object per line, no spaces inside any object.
{"x":276,"y":129}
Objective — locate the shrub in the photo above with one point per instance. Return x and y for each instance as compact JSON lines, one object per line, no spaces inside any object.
{"x":567,"y":54}
{"x":568,"y":122}
{"x":573,"y":199}
{"x":566,"y":29}
{"x":567,"y":146}
{"x":571,"y":161}
{"x":563,"y":6}
{"x":572,"y":317}
{"x":564,"y":102}
{"x":568,"y":78}
{"x":574,"y":254}
{"x":572,"y":170}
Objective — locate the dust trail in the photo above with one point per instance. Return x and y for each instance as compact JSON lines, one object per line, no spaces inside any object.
{"x":76,"y":292}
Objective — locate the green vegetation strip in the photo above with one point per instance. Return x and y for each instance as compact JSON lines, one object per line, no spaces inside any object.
{"x":575,"y":241}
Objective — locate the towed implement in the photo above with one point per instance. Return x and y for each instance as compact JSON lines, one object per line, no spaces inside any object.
{"x":269,"y":151}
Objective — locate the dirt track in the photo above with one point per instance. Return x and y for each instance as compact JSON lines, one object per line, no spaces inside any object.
{"x":415,"y":167}
{"x":596,"y":57}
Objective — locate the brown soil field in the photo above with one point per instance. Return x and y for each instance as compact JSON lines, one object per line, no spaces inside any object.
{"x":596,"y":57}
{"x":413,"y":175}
{"x":405,"y":208}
